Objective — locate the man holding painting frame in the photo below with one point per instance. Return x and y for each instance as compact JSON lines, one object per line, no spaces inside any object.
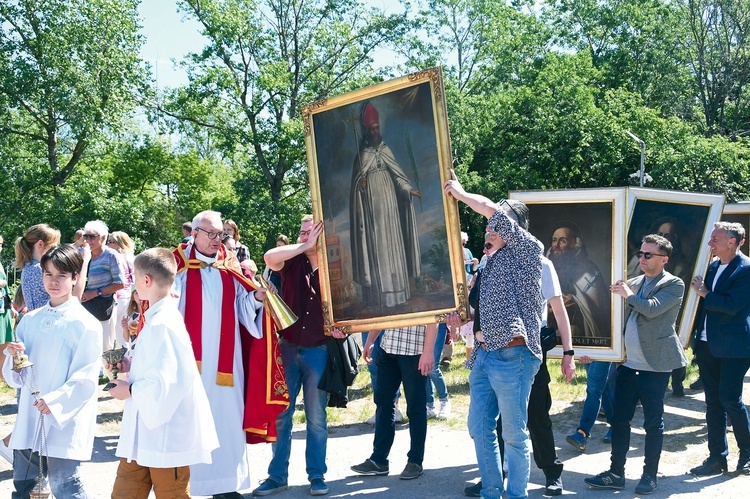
{"x":508,"y":352}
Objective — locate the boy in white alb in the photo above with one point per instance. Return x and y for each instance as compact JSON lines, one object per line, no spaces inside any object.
{"x":167,"y":424}
{"x":64,"y":342}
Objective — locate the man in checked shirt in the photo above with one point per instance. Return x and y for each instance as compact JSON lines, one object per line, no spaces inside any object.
{"x":508,"y":352}
{"x":407,"y":354}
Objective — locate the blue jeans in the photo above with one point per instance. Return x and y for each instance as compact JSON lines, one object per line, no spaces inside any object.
{"x":393,"y":370}
{"x":648,"y":387}
{"x":599,"y":394}
{"x":64,"y":476}
{"x":722,"y":383}
{"x":436,"y":375}
{"x":500,"y":383}
{"x":303,"y":368}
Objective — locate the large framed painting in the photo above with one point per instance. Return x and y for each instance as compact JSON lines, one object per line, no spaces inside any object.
{"x":739,"y":213}
{"x":391,"y":252}
{"x":583,"y":232}
{"x":686,"y":219}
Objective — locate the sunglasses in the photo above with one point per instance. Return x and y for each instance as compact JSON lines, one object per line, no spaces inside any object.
{"x":91,"y":236}
{"x":647,"y":255}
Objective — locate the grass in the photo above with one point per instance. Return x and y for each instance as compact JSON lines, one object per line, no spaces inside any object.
{"x":567,"y":397}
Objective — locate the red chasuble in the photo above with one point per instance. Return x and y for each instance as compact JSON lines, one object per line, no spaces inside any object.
{"x":266,"y":393}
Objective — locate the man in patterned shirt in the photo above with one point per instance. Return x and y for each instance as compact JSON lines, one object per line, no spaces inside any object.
{"x":406,"y":355}
{"x":509,"y":352}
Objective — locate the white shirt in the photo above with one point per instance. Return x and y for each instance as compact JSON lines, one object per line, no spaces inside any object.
{"x":167,"y":421}
{"x":65,"y":345}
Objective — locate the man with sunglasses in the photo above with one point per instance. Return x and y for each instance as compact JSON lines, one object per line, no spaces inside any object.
{"x":722,"y":346}
{"x":508,"y":351}
{"x":653,"y":349}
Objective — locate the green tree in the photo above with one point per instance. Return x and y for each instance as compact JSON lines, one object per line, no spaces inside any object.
{"x":69,"y":73}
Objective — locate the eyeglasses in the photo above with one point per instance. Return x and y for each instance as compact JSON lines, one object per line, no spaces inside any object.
{"x":487,"y":245}
{"x":91,"y":236}
{"x":647,"y":255}
{"x":515,"y":213}
{"x":212,"y":235}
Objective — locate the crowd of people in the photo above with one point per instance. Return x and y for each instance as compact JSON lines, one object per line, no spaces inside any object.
{"x":208,"y":369}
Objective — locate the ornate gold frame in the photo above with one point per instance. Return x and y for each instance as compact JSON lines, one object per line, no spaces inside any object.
{"x":335,"y":139}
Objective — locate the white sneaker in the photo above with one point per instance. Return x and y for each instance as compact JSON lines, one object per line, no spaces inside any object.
{"x":6,"y":451}
{"x":445,"y":410}
{"x":399,"y":416}
{"x":431,"y":412}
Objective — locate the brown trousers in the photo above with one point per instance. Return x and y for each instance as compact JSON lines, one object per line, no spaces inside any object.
{"x":135,"y":481}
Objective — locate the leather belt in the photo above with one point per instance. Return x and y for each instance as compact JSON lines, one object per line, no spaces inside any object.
{"x":515,"y":342}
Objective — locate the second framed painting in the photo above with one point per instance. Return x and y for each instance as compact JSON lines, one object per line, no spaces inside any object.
{"x":686,"y":219}
{"x":583,"y":235}
{"x":391,"y":253}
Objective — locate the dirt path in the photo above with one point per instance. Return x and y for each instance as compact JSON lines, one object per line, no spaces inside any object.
{"x":450,"y":461}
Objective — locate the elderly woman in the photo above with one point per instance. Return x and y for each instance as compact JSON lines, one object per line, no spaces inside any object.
{"x":106,"y":277}
{"x":231,"y":230}
{"x":121,"y":242}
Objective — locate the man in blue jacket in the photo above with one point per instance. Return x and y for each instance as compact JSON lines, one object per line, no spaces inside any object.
{"x":722,"y":346}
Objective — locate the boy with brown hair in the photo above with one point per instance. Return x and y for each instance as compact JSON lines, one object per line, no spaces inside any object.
{"x":167,"y":424}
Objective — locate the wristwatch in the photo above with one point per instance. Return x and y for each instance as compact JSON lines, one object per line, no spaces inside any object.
{"x":568,"y":352}
{"x":98,"y":291}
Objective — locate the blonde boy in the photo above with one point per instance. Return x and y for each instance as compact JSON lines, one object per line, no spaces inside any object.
{"x":167,"y":424}
{"x":64,"y":342}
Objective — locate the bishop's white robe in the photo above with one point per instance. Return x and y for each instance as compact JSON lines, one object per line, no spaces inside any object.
{"x":229,"y":470}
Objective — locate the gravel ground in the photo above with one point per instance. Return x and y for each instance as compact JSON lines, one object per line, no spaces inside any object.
{"x":450,"y":462}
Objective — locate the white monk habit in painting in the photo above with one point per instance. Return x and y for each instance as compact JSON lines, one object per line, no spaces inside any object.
{"x":384,"y":236}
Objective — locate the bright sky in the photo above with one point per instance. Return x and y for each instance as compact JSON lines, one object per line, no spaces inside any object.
{"x":169,"y":37}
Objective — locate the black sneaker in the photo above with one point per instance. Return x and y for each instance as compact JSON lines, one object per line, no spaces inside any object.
{"x":554,"y":487}
{"x":646,"y":486}
{"x":370,"y":467}
{"x":743,"y":467}
{"x":710,"y":466}
{"x":474,"y":490}
{"x":697,"y":384}
{"x":411,"y":471}
{"x":606,"y":480}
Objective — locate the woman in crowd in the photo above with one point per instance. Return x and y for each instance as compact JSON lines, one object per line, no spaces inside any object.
{"x":121,"y":242}
{"x":105,"y":278}
{"x":271,"y":275}
{"x":29,"y":251}
{"x":230,"y":229}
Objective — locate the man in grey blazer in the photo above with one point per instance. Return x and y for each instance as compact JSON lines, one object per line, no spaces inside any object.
{"x":653,"y":349}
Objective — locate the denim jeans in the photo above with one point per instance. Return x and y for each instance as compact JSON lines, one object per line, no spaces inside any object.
{"x":303,"y":368}
{"x":392,"y":371}
{"x":64,"y":476}
{"x":436,"y":375}
{"x":722,"y":383}
{"x":599,"y":394}
{"x":539,"y":425}
{"x":648,"y":387}
{"x":500,"y":383}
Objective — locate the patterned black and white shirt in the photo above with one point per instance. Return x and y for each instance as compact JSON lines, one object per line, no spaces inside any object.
{"x":510,"y":298}
{"x":403,"y":340}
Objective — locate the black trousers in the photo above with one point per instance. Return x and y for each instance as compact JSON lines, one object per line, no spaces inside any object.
{"x":540,"y":426}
